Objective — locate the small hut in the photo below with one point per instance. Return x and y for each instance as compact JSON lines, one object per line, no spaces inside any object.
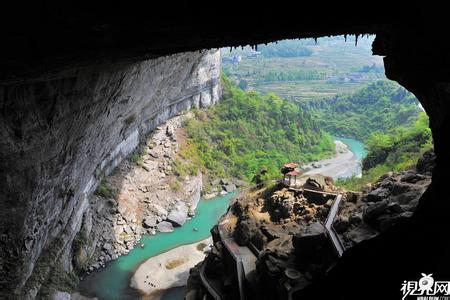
{"x":292,"y":176}
{"x":290,"y":173}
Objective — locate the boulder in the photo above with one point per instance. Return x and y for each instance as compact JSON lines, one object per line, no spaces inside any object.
{"x":426,"y":163}
{"x":149,"y":221}
{"x":160,"y":211}
{"x":224,"y":181}
{"x":230,"y":187}
{"x":281,"y":247}
{"x":341,"y":224}
{"x":316,"y":183}
{"x":395,"y":207}
{"x":387,"y":221}
{"x":306,"y":244}
{"x":378,"y":194}
{"x":353,"y":197}
{"x":372,"y":212}
{"x":216,"y":182}
{"x":127,"y":229}
{"x":179,"y":214}
{"x":355,"y":219}
{"x":59,"y":295}
{"x":164,"y":226}
{"x":170,"y":131}
{"x":153,"y":153}
{"x":108,"y":248}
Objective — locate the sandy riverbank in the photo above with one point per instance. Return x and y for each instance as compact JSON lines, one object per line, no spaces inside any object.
{"x":167,"y":270}
{"x":344,"y":164}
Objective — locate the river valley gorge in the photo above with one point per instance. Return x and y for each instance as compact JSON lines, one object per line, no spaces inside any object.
{"x":149,"y":157}
{"x":112,"y":279}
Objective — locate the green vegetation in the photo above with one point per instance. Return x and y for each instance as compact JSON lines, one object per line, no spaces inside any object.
{"x":175,"y":185}
{"x":104,"y":190}
{"x":343,"y":89}
{"x":331,"y":66}
{"x":292,"y":75}
{"x":247,"y":132}
{"x":378,"y":107}
{"x":286,"y":48}
{"x":399,"y":149}
{"x":201,"y":246}
{"x":137,"y":159}
{"x":372,"y":68}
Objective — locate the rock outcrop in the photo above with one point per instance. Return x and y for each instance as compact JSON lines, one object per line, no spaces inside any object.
{"x":393,"y":199}
{"x":283,"y":227}
{"x":143,"y":196}
{"x":287,"y":232}
{"x":61,"y":136}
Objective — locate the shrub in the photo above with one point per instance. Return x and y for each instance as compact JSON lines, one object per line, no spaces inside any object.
{"x":104,"y":190}
{"x":137,"y":159}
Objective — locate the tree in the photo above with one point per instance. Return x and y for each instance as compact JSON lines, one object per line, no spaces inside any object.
{"x":243,"y":84}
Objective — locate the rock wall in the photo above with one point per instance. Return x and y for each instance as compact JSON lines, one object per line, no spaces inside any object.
{"x":144,"y":194}
{"x":59,"y":136}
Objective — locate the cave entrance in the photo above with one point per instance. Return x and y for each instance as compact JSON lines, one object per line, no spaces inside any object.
{"x":342,"y":86}
{"x":342,"y":95}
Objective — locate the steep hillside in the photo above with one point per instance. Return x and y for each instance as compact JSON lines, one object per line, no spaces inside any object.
{"x":396,"y":150}
{"x":379,"y":106}
{"x":247,"y":134}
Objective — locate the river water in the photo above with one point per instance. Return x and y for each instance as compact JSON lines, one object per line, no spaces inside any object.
{"x":346,"y":162}
{"x":112,"y":281}
{"x":357,"y":147}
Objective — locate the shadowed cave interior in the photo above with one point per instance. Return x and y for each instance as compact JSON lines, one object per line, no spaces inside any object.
{"x":73,"y":74}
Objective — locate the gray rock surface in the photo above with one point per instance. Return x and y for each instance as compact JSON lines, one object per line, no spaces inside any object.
{"x":164,"y":226}
{"x":179,"y":213}
{"x":62,"y":135}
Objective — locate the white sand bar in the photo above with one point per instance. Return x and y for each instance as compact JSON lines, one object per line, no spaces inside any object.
{"x":344,"y":164}
{"x":167,"y":270}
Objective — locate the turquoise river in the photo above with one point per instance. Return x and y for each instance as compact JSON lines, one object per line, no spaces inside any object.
{"x":112,"y":281}
{"x":355,"y":146}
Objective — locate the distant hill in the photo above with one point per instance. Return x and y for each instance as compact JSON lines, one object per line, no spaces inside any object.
{"x":377,"y":107}
{"x":247,"y":132}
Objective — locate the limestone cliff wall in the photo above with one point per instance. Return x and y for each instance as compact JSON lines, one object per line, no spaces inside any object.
{"x":59,"y":136}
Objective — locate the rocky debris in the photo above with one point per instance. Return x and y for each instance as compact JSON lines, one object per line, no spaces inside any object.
{"x":144,"y":204}
{"x":394,"y":198}
{"x":286,"y":227}
{"x":223,"y":186}
{"x":285,"y":204}
{"x":390,"y":201}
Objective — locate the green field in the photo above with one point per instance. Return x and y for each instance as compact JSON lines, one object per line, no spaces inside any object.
{"x":336,"y":60}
